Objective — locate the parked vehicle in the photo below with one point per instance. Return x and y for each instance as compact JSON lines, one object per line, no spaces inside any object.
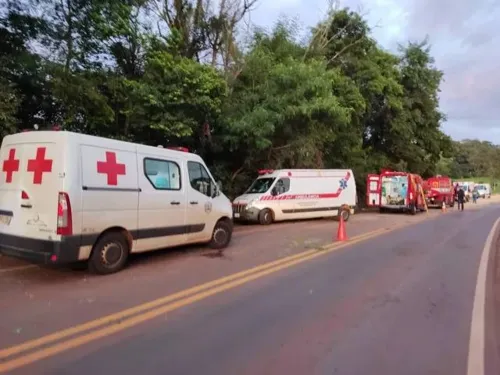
{"x":395,"y":191}
{"x":439,"y":189}
{"x":290,"y":194}
{"x":483,"y":190}
{"x":68,"y":197}
{"x":467,"y":187}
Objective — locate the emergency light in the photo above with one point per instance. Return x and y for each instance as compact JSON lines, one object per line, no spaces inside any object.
{"x":265,"y":171}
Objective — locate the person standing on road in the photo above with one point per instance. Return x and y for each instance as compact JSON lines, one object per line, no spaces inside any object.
{"x":461,"y":198}
{"x":475,"y":195}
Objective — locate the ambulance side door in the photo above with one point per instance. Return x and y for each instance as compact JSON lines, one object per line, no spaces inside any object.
{"x":162,"y":202}
{"x":110,"y":192}
{"x":201,"y":189}
{"x":283,"y":202}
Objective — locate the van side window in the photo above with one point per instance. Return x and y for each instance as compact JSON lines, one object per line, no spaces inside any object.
{"x":200,"y":179}
{"x":282,"y":186}
{"x":162,"y":174}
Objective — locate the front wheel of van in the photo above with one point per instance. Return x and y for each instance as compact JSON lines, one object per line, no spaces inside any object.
{"x":221,"y":236}
{"x":265,"y":217}
{"x":109,"y":255}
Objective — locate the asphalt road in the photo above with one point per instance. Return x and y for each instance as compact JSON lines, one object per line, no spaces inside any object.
{"x":394,"y":302}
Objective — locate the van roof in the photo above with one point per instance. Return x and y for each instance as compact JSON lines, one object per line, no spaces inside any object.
{"x":63,"y":135}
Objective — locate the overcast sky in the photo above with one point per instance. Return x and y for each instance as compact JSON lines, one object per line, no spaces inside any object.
{"x":465,"y":38}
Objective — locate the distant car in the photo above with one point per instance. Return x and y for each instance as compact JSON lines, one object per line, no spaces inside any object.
{"x":483,"y":190}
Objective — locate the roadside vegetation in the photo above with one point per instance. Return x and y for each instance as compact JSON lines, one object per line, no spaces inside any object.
{"x":191,"y":73}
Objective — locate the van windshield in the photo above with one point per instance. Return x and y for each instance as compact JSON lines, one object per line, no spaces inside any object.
{"x":260,"y":185}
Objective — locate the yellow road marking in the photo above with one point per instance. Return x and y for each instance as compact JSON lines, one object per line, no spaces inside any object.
{"x":162,"y":305}
{"x":151,"y":314}
{"x":155,"y":303}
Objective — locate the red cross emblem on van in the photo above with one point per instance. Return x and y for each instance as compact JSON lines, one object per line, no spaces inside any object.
{"x":10,"y":165}
{"x":39,"y":165}
{"x":111,"y":168}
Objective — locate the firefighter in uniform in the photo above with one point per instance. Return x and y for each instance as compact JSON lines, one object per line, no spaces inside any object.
{"x":461,"y":198}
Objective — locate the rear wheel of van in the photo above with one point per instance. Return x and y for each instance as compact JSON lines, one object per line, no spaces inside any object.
{"x":265,"y":217}
{"x":221,"y":236}
{"x":413,"y":209}
{"x":109,"y":255}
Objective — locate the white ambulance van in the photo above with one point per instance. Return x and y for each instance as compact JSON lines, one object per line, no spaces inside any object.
{"x":291,"y":194}
{"x":68,"y":197}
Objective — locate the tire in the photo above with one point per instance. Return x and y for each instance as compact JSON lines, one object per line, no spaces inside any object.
{"x":346,"y":214}
{"x":221,"y":236}
{"x":413,"y":209}
{"x":100,"y":262}
{"x":265,"y":217}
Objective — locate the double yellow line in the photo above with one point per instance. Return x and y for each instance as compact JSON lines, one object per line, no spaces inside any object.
{"x":58,"y":342}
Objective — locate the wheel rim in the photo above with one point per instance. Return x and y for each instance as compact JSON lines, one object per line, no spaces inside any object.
{"x":345,"y":215}
{"x":111,"y":254}
{"x":220,"y":236}
{"x":267,"y":217}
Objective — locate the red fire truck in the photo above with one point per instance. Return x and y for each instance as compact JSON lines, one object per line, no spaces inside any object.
{"x":439,"y":189}
{"x":395,"y":191}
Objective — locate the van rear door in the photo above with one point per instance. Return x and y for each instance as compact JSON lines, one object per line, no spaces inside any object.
{"x":29,"y":184}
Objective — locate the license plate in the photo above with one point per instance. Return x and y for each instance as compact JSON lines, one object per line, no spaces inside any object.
{"x":236,"y":214}
{"x":5,"y":219}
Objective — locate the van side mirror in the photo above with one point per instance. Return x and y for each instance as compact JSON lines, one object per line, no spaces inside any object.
{"x":215,"y":190}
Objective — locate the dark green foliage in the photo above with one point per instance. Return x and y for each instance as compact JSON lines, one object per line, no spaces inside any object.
{"x":337,"y":101}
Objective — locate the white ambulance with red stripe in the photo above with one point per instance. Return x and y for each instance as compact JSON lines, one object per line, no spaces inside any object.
{"x":68,"y":197}
{"x":291,"y":194}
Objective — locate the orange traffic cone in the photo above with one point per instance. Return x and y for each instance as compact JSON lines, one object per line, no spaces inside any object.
{"x":443,"y":207}
{"x":341,"y":233}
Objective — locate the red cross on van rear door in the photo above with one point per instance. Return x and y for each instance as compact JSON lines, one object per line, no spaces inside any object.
{"x":30,"y":181}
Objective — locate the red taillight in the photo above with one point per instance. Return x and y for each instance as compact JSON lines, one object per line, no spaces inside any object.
{"x":64,"y":217}
{"x":24,"y":195}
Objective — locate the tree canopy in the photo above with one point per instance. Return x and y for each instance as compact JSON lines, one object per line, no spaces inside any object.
{"x":177,"y":72}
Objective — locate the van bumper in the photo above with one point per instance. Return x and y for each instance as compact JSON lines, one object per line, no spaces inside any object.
{"x":41,"y":251}
{"x":250,"y":215}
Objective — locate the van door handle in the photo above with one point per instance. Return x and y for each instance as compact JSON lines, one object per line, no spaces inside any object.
{"x":175,"y":203}
{"x":26,"y":205}
{"x":193,"y":202}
